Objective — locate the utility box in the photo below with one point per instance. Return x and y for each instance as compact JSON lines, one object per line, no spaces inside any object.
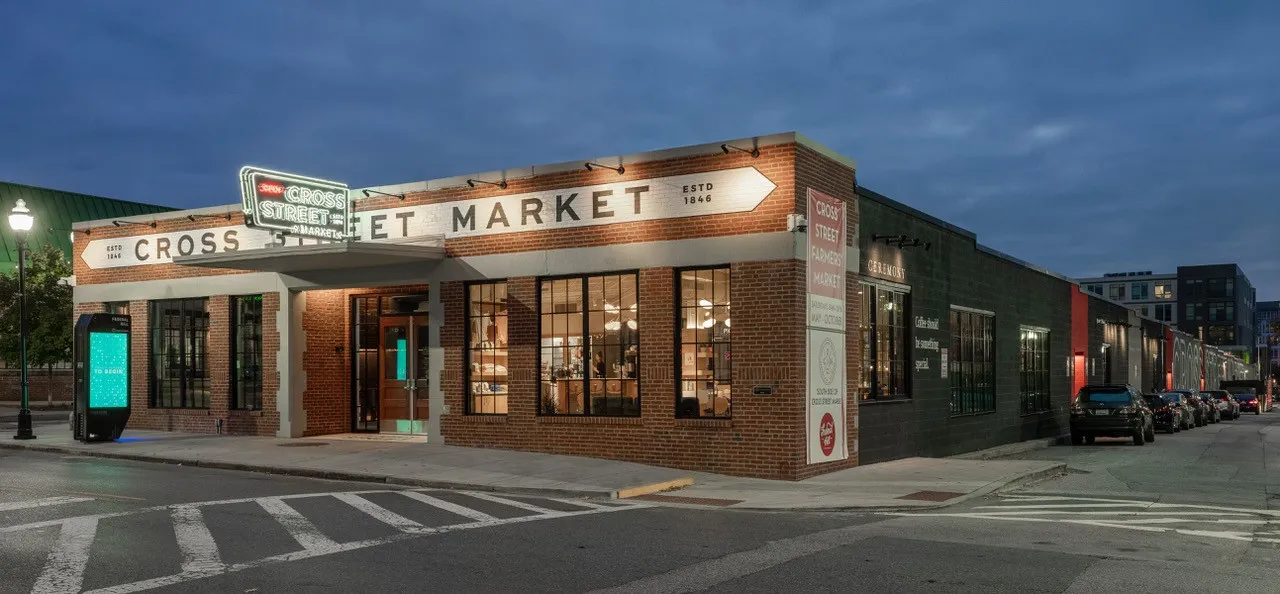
{"x":102,"y":386}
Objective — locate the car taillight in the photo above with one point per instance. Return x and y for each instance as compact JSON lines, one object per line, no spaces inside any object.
{"x":1076,"y":409}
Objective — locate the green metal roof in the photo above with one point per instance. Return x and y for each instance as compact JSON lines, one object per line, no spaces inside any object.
{"x":55,"y":211}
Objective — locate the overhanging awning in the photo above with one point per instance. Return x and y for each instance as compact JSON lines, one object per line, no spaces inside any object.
{"x":330,"y":256}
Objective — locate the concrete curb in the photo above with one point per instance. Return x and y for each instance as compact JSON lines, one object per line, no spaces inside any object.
{"x":317,"y":473}
{"x":985,"y":490}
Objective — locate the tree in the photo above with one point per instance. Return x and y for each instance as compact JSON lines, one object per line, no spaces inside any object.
{"x":49,"y":309}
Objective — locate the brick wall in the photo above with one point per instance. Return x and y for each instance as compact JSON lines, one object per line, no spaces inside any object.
{"x":218,"y":363}
{"x":764,"y":437}
{"x":43,"y":385}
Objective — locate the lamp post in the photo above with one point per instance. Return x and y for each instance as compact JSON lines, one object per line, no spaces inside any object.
{"x":21,"y":221}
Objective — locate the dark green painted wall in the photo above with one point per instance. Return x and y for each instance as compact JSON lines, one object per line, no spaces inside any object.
{"x":955,"y":272}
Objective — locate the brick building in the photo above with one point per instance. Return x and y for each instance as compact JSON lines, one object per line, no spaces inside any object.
{"x":741,"y":308}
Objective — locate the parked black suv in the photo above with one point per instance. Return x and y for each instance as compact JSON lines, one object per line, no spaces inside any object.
{"x":1110,"y":410}
{"x":1165,"y":417}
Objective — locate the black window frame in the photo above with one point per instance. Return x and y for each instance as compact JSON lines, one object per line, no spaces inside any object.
{"x":695,"y":411}
{"x":160,"y":357}
{"x":972,"y":362}
{"x":469,"y":407}
{"x":1116,"y":292}
{"x":1163,"y":290}
{"x":246,"y":391}
{"x":1034,"y":387}
{"x":869,"y":334}
{"x":1135,"y":294}
{"x":587,"y":347}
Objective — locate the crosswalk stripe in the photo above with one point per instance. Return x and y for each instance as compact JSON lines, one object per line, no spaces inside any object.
{"x":380,"y":513}
{"x":195,"y":542}
{"x":465,"y":512}
{"x":47,"y":501}
{"x":64,"y":568}
{"x":511,"y":502}
{"x":298,"y":526}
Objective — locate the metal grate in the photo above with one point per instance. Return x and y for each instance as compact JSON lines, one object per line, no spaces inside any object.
{"x":931,"y":496}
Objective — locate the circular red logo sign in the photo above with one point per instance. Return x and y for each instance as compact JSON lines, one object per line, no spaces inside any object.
{"x":827,"y":434}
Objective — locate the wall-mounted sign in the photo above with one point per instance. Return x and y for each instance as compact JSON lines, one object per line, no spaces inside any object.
{"x":697,"y":194}
{"x":297,"y":205}
{"x":885,"y":270}
{"x":924,"y":323}
{"x":824,"y":262}
{"x":825,"y":402}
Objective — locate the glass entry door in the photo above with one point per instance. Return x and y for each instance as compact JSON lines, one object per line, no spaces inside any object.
{"x":403,"y":356}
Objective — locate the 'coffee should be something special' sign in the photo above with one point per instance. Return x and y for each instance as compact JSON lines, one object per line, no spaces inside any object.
{"x":294,"y":204}
{"x":697,"y":194}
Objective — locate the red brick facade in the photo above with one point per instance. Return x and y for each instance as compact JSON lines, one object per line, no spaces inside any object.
{"x":765,"y":437}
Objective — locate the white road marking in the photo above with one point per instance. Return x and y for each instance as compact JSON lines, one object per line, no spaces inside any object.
{"x":465,"y":512}
{"x":511,"y":502}
{"x":64,"y":569}
{"x":380,"y":513}
{"x":299,"y":527}
{"x":47,"y":501}
{"x":179,"y":578}
{"x":195,"y":542}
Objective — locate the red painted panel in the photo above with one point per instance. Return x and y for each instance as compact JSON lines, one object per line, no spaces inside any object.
{"x":1079,"y":338}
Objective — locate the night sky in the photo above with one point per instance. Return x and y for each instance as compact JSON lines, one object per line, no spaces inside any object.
{"x":1085,"y":136}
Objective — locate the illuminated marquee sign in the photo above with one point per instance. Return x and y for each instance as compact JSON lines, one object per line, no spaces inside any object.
{"x":297,"y":205}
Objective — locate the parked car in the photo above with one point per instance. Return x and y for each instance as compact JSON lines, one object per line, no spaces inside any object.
{"x":1198,"y":406}
{"x":1164,"y":417}
{"x":1185,"y":409}
{"x":1110,"y":410}
{"x":1227,"y":406}
{"x":1249,"y":403}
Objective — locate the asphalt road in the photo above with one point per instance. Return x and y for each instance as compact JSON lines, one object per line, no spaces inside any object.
{"x":1186,"y":513}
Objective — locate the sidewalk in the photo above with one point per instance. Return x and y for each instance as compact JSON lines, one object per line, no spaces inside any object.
{"x":909,"y":483}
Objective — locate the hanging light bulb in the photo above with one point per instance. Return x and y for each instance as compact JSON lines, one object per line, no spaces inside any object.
{"x":704,"y":303}
{"x":709,"y":322}
{"x":612,"y":326}
{"x":610,"y":308}
{"x":726,"y":322}
{"x":633,"y":307}
{"x":631,"y":324}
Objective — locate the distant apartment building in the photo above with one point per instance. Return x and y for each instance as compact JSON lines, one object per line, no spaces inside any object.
{"x":1213,"y":301}
{"x":1152,"y":295}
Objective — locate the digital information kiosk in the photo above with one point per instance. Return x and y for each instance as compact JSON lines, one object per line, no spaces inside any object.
{"x":102,"y":376}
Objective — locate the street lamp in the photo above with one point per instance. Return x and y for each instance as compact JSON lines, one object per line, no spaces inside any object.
{"x":21,"y":221}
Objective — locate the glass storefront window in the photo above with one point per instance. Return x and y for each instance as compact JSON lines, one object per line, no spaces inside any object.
{"x":704,"y":353}
{"x":1033,"y":370}
{"x":246,"y":352}
{"x":487,"y":349}
{"x":885,"y":351}
{"x":179,"y":345}
{"x":589,"y":346}
{"x":972,"y":363}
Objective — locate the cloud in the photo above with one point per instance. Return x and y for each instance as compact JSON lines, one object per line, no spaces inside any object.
{"x":1090,"y":124}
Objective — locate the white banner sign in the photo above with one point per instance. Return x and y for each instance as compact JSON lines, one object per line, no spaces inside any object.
{"x":696,"y":194}
{"x":825,"y":426}
{"x":825,"y":415}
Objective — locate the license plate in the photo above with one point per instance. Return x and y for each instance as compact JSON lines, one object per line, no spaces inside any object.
{"x":1101,"y":411}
